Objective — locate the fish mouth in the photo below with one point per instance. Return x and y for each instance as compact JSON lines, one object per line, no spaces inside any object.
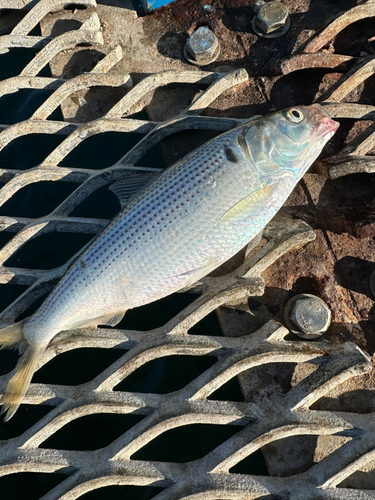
{"x":325,"y":124}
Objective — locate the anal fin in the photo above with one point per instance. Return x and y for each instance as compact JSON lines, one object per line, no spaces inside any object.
{"x":111,"y":320}
{"x":106,"y":320}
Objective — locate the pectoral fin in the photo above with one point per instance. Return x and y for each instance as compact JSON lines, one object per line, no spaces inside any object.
{"x":249,"y":205}
{"x":197,"y":273}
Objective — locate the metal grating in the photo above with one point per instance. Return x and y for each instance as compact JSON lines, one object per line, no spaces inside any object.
{"x":261,"y":423}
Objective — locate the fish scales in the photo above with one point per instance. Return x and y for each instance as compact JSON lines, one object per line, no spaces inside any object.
{"x":193,"y":217}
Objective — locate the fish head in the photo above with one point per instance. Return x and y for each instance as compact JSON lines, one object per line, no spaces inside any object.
{"x":306,"y":124}
{"x":287,"y":142}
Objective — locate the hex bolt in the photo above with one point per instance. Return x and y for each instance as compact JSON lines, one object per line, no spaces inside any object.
{"x":307,"y":316}
{"x":202,"y":47}
{"x":272,"y":20}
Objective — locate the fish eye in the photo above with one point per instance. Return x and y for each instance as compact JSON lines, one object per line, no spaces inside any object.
{"x":294,"y":115}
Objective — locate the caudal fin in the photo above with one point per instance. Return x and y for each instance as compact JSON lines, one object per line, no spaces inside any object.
{"x":12,"y":336}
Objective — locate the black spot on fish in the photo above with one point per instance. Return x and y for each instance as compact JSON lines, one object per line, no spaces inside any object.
{"x":229,"y":153}
{"x":243,"y":144}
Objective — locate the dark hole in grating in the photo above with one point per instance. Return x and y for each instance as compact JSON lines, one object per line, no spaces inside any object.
{"x":21,"y":105}
{"x":91,"y":432}
{"x":25,"y":417}
{"x":153,"y":158}
{"x":29,"y":151}
{"x":13,"y":62}
{"x":8,"y":360}
{"x":9,"y":293}
{"x":167,"y":374}
{"x":209,"y":325}
{"x":5,"y":237}
{"x":38,"y":199}
{"x":101,"y":150}
{"x":157,"y":313}
{"x":36,"y":31}
{"x":77,"y":367}
{"x":186,"y":443}
{"x":48,"y":251}
{"x":122,"y":493}
{"x":101,"y":204}
{"x":359,"y":480}
{"x":231,"y":391}
{"x":254,"y":464}
{"x":288,"y":91}
{"x":72,"y":6}
{"x":30,"y":485}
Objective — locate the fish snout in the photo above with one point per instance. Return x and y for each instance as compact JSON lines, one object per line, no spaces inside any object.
{"x":326,"y":126}
{"x":324,"y":123}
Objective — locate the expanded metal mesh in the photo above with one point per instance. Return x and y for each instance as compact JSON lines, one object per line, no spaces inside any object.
{"x":270,"y":418}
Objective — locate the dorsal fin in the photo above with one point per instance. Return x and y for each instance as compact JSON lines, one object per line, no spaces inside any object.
{"x":128,"y":188}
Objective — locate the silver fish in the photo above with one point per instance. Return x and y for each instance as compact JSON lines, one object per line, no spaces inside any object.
{"x":178,"y":228}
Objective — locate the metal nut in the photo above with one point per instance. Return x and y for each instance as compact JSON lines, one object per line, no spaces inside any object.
{"x":272,"y":20}
{"x":307,"y":316}
{"x":202,"y":47}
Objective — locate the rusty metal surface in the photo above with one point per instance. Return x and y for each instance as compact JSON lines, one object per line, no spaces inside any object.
{"x":316,"y":441}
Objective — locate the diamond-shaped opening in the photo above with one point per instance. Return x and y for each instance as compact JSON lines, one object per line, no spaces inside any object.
{"x":37,"y":199}
{"x":13,"y":62}
{"x":267,"y":381}
{"x":21,"y":105}
{"x":77,"y":367}
{"x":25,"y":417}
{"x":159,"y":376}
{"x":101,"y":204}
{"x":186,"y":443}
{"x":209,"y":325}
{"x":30,"y":485}
{"x":157,"y":313}
{"x":123,"y":493}
{"x":360,"y":480}
{"x":291,"y":455}
{"x":231,"y":391}
{"x":254,"y":464}
{"x":29,"y":150}
{"x":358,"y":401}
{"x":154,"y":157}
{"x":9,"y":293}
{"x":91,"y":432}
{"x":48,"y":251}
{"x":101,"y":150}
{"x":284,"y":91}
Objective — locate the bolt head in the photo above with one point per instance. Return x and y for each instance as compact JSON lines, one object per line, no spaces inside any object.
{"x":272,"y":16}
{"x":311,"y":315}
{"x":202,"y":47}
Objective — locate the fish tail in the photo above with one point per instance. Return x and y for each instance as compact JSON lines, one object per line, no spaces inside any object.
{"x":12,"y":336}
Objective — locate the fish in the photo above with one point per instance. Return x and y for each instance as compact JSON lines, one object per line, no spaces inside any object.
{"x":174,"y":228}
